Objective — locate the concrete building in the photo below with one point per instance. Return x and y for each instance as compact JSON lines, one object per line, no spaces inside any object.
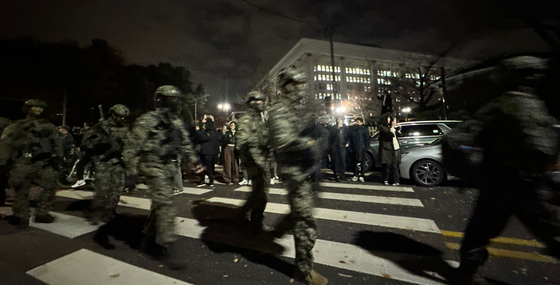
{"x":363,"y":73}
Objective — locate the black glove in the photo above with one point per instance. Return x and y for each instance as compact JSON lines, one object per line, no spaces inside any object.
{"x":130,"y":181}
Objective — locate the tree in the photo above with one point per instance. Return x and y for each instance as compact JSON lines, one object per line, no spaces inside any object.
{"x":417,"y":84}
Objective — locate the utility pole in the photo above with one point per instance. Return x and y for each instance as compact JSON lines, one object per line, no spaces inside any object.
{"x":64,"y":103}
{"x":329,"y":32}
{"x":444,"y":89}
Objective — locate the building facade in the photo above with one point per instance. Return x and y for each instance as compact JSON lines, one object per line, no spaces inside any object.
{"x":363,"y":74}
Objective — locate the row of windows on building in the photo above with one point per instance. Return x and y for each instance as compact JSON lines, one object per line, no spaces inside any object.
{"x":321,"y":96}
{"x":352,"y":79}
{"x":329,"y":87}
{"x":348,"y":70}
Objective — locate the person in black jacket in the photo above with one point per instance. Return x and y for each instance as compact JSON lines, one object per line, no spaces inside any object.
{"x":339,"y":141}
{"x":360,"y":139}
{"x":209,"y":140}
{"x":389,"y":148}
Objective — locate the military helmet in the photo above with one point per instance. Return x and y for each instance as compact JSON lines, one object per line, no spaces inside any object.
{"x":168,"y":91}
{"x":290,"y":75}
{"x":120,"y":110}
{"x":35,"y":103}
{"x":255,"y":95}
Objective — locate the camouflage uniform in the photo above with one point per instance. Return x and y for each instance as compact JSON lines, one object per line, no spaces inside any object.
{"x":297,"y":155}
{"x":252,"y":144}
{"x":32,"y":146}
{"x":4,"y":122}
{"x":154,"y":144}
{"x":107,"y":139}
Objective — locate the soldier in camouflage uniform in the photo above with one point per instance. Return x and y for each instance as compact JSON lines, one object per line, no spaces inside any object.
{"x":107,"y":140}
{"x":153,"y":146}
{"x":4,"y":123}
{"x":33,"y":148}
{"x":252,"y":144}
{"x":297,"y":155}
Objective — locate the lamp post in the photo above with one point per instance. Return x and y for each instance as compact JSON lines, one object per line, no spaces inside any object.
{"x":224,"y":107}
{"x":406,"y":111}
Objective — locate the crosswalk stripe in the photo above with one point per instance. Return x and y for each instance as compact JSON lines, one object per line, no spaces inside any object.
{"x":86,"y":267}
{"x":194,"y":191}
{"x":126,"y":201}
{"x":350,"y":197}
{"x":389,"y":221}
{"x":335,"y":254}
{"x":367,"y":187}
{"x":66,"y":225}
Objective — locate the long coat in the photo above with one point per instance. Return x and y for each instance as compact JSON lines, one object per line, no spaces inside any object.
{"x":386,"y":148}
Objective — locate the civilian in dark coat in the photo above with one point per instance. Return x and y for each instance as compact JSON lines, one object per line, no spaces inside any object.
{"x":339,"y":141}
{"x":209,"y":140}
{"x":388,"y":148}
{"x":360,"y":142}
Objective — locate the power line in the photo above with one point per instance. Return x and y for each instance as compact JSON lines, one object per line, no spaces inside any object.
{"x":268,"y":11}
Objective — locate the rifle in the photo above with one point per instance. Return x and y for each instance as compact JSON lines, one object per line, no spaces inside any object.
{"x":100,"y":107}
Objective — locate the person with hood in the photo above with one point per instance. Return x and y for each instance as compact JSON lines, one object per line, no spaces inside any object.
{"x":209,"y":140}
{"x":389,"y":148}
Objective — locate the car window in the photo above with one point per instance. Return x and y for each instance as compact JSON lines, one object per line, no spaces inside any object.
{"x":420,"y":130}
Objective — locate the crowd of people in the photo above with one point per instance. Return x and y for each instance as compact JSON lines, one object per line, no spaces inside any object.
{"x":274,"y":140}
{"x":267,"y":142}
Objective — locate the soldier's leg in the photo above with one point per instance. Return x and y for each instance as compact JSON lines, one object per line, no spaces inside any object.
{"x":489,"y":218}
{"x":113,"y":191}
{"x":541,"y":218}
{"x":46,"y":178}
{"x":260,"y":198}
{"x":102,"y":186}
{"x":20,"y":207}
{"x":163,"y":212}
{"x":301,"y":205}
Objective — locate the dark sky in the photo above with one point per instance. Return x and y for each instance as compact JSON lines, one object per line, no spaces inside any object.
{"x":235,"y":42}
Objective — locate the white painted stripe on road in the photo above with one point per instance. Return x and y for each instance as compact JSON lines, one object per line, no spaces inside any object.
{"x":194,"y":191}
{"x":350,"y":197}
{"x":335,"y":254}
{"x":388,"y":221}
{"x":86,"y":267}
{"x":367,"y":187}
{"x":126,"y":201}
{"x":65,"y":225}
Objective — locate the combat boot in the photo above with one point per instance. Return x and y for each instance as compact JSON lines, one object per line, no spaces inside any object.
{"x":46,"y":218}
{"x":314,"y":278}
{"x":174,"y":260}
{"x":21,"y":223}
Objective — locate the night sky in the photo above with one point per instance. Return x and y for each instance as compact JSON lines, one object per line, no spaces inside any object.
{"x":236,"y":42}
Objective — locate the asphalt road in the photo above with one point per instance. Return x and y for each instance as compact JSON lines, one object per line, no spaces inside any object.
{"x":368,"y":233}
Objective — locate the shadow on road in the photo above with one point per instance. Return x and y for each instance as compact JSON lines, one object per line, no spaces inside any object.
{"x":415,"y":257}
{"x":227,"y":231}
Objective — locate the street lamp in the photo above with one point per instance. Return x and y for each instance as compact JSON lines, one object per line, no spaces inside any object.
{"x":406,"y":111}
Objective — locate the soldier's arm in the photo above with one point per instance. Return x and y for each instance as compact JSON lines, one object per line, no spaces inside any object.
{"x":248,"y":143}
{"x":133,"y":143}
{"x":283,"y":135}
